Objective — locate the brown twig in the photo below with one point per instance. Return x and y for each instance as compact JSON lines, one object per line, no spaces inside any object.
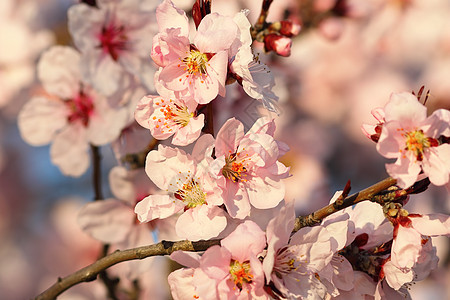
{"x":209,"y":114}
{"x":90,"y":272}
{"x":261,"y":23}
{"x":96,"y":172}
{"x":110,"y":283}
{"x":366,"y":194}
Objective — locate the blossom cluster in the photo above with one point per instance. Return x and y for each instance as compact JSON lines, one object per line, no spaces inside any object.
{"x":141,"y":73}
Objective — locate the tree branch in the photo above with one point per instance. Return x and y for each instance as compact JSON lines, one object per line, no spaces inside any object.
{"x":366,"y":194}
{"x":90,"y":272}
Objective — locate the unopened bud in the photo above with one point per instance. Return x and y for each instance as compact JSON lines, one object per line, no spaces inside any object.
{"x":278,"y":43}
{"x":289,"y":28}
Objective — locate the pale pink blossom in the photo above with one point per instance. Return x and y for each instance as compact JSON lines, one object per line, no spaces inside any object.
{"x":71,"y":116}
{"x":292,"y":263}
{"x":190,"y":191}
{"x":229,"y":271}
{"x":167,"y":116}
{"x":254,"y":76}
{"x":427,"y":261}
{"x":247,"y":168}
{"x":198,"y":69}
{"x":114,"y":39}
{"x":411,"y":137}
{"x":410,"y":234}
{"x":113,"y":221}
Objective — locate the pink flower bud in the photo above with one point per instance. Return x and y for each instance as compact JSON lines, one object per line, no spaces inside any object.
{"x":278,"y":43}
{"x":289,"y":28}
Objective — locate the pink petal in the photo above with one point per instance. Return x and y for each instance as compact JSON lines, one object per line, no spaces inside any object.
{"x":215,"y":262}
{"x":40,"y":119}
{"x":157,"y":207}
{"x":406,"y":247}
{"x":188,"y":259}
{"x":437,"y":124}
{"x":108,"y":221}
{"x":59,"y":71}
{"x":180,"y":282}
{"x":169,"y":16}
{"x":246,"y":240}
{"x":406,"y":109}
{"x":236,"y":200}
{"x":202,"y":148}
{"x":405,"y":170}
{"x":189,"y":133}
{"x":395,"y":277}
{"x":432,"y":225}
{"x":201,"y":223}
{"x":265,"y":193}
{"x":70,"y":150}
{"x":391,"y":140}
{"x":215,"y":33}
{"x":167,"y":165}
{"x":228,"y":137}
{"x":436,"y":164}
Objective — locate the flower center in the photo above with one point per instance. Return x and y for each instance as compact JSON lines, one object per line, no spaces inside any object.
{"x":240,"y":273}
{"x":234,"y":168}
{"x":173,"y":114}
{"x":287,"y":262}
{"x":417,"y":142}
{"x":113,"y":40}
{"x":191,"y":193}
{"x":81,"y":108}
{"x":195,"y":63}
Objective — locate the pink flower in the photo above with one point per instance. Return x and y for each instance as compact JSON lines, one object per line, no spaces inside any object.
{"x":247,"y":167}
{"x":291,"y":263}
{"x":411,"y":232}
{"x":114,"y":41}
{"x":71,"y":116}
{"x":170,"y":116}
{"x":229,"y":271}
{"x":198,"y":69}
{"x":113,"y":220}
{"x":189,"y":188}
{"x":254,"y":76}
{"x":412,"y":138}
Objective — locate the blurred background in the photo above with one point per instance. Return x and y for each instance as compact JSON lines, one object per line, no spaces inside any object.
{"x":336,"y":74}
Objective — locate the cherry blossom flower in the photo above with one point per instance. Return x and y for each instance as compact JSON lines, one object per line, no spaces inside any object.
{"x":247,"y":167}
{"x":254,"y":76}
{"x":113,"y":40}
{"x":198,"y":69}
{"x":189,"y":188}
{"x":113,"y":221}
{"x":229,"y":271}
{"x":292,"y":263}
{"x":412,"y":138}
{"x":167,"y":116}
{"x":411,"y":232}
{"x":71,"y":116}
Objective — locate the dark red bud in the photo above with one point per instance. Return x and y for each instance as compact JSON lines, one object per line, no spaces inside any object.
{"x":278,"y":43}
{"x":289,"y":29}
